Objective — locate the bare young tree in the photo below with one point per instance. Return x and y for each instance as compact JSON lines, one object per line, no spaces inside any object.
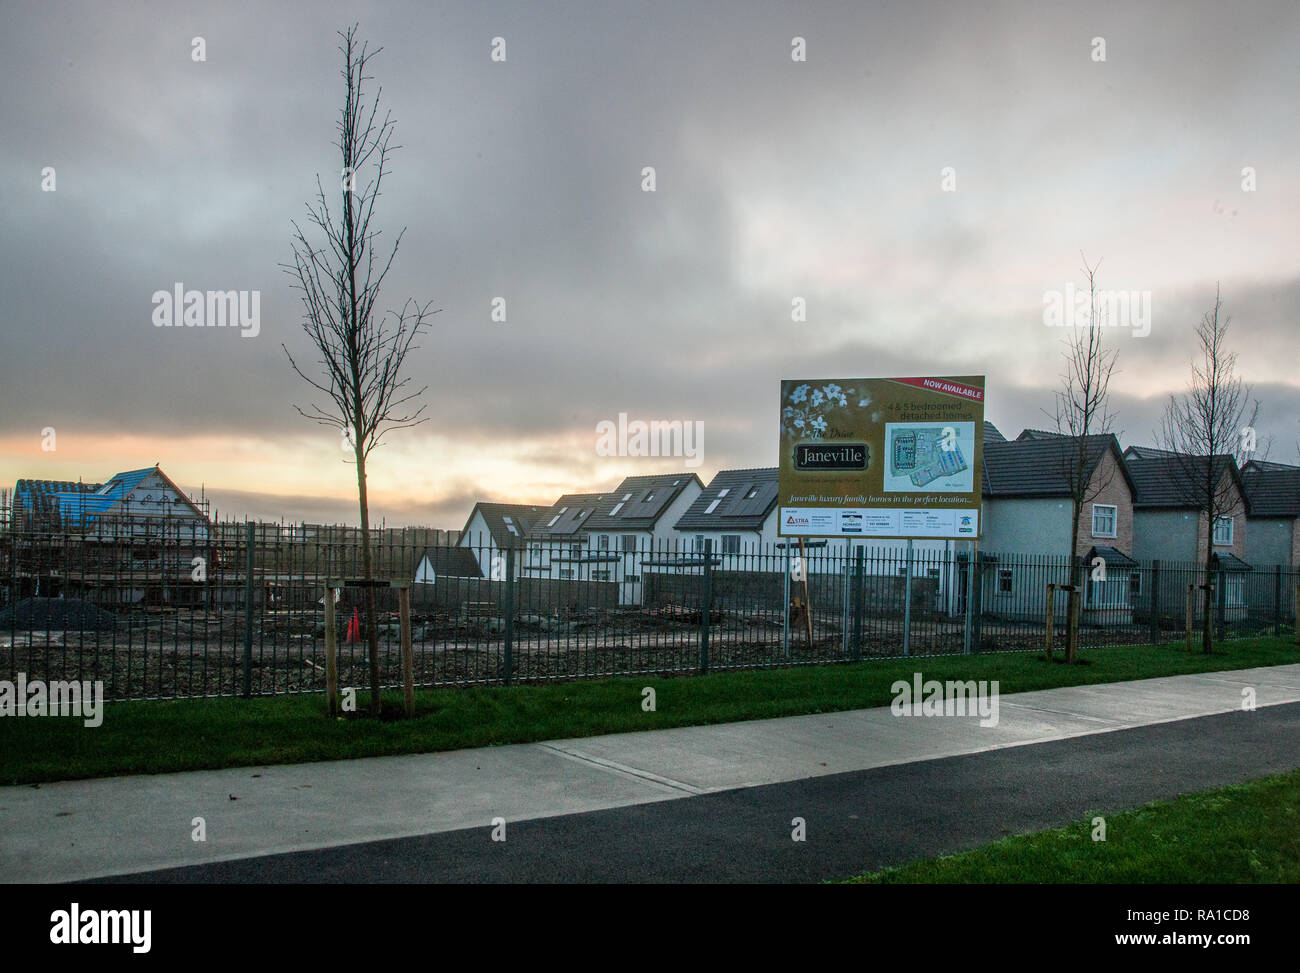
{"x":1209,"y":428}
{"x":1082,"y":411}
{"x":362,"y":350}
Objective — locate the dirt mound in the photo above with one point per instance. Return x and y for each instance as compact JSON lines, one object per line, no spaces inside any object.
{"x":56,"y":615}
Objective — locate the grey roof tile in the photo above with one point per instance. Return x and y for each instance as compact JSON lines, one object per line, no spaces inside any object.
{"x":736,"y":511}
{"x":566,"y":517}
{"x":454,"y":562}
{"x":1147,"y":452}
{"x":1230,"y":562}
{"x":639,"y":501}
{"x":1172,"y":481}
{"x":522,"y":515}
{"x":1040,"y":467}
{"x":1113,"y":556}
{"x":1272,"y":492}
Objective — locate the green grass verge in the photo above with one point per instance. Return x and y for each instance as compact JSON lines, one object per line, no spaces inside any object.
{"x":1246,"y":833}
{"x":160,"y":736}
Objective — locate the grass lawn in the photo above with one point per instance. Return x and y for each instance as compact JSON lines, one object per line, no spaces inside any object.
{"x":162,"y":736}
{"x":1246,"y":833}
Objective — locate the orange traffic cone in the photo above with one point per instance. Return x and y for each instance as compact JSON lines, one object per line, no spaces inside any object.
{"x":354,"y":628}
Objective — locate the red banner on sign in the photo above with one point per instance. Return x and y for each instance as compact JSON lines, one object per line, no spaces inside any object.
{"x":946,"y":386}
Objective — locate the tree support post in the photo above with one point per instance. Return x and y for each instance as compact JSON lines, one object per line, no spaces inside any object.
{"x":706,"y":606}
{"x":1051,"y":619}
{"x":248,"y":612}
{"x":408,"y":661}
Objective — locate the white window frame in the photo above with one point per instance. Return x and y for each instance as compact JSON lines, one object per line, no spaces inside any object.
{"x":1222,"y":519}
{"x":1114,"y":519}
{"x":1011,"y":583}
{"x":727,"y":541}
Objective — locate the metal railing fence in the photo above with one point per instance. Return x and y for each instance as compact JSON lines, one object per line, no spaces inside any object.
{"x":175,"y":609}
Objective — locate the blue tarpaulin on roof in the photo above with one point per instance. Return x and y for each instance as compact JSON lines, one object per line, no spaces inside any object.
{"x":80,"y":503}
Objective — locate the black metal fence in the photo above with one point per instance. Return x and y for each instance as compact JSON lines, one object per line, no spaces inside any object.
{"x":162,"y":609}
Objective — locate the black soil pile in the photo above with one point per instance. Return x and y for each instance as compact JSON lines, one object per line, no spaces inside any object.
{"x":56,"y":615}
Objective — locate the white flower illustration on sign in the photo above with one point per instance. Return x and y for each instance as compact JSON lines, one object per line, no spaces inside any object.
{"x":810,"y":410}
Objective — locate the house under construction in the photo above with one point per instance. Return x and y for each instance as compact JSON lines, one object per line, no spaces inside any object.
{"x":132,"y":539}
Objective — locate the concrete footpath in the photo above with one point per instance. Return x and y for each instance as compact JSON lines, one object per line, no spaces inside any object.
{"x":116,"y":826}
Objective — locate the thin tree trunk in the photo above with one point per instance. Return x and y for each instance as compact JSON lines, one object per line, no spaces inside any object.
{"x":1207,"y":623}
{"x":1076,"y":606}
{"x":1076,"y":589}
{"x":367,"y":573}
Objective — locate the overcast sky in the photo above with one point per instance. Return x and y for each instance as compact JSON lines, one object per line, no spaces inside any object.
{"x":776,"y":179}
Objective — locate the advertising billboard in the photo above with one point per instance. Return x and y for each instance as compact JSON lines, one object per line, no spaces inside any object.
{"x":881,"y":457}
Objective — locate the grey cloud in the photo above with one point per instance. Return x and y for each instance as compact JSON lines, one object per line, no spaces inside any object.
{"x":522,"y":180}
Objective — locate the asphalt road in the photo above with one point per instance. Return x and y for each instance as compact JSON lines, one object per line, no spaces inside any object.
{"x":855,"y":821}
